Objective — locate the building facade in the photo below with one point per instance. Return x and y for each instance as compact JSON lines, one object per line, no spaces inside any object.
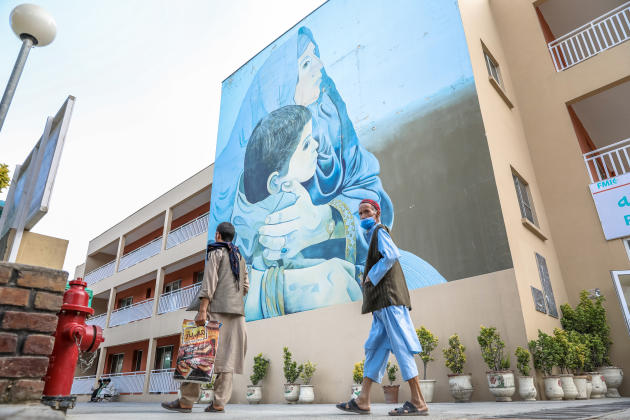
{"x":525,"y":226}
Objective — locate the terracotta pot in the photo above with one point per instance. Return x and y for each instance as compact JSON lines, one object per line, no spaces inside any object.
{"x":356,"y":390}
{"x":580,"y":384}
{"x":501,"y":384}
{"x":307,"y":394}
{"x":553,"y":388}
{"x":526,"y":389}
{"x":597,"y":385}
{"x":427,"y":387}
{"x":291,"y":393}
{"x":614,"y":377}
{"x":254,"y":394}
{"x":568,"y":387}
{"x":391,"y":393}
{"x":460,"y":386}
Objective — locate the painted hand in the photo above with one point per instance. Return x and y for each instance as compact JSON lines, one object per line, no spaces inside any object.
{"x":290,"y":230}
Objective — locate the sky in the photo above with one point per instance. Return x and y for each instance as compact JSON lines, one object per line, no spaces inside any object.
{"x":147,"y":77}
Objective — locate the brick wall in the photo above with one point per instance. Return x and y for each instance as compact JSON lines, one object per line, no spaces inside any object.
{"x":30,"y":298}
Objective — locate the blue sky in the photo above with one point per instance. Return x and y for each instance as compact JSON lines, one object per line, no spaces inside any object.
{"x":147,"y":77}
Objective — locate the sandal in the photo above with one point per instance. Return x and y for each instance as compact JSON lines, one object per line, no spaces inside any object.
{"x":211,"y":409}
{"x":408,"y":409}
{"x":175,"y":406}
{"x":352,"y":407}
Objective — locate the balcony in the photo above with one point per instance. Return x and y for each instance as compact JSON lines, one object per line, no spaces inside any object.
{"x":100,"y":273}
{"x":600,"y":34}
{"x":98,"y":320}
{"x":82,"y":385}
{"x":137,"y":311}
{"x":608,"y":161}
{"x":187,"y":231}
{"x":140,"y":254}
{"x":161,"y":380}
{"x":177,"y":299}
{"x":127,"y":382}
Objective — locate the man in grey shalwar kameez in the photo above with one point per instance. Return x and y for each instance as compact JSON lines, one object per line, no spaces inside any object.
{"x":224,"y":285}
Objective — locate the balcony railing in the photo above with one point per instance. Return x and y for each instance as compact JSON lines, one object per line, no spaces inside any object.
{"x":127,"y":382}
{"x":82,"y":385}
{"x":161,"y":380}
{"x":186,"y":231}
{"x":177,"y":299}
{"x":596,"y":36}
{"x":140,"y":310}
{"x":140,"y":254}
{"x":98,"y":320}
{"x":608,"y":161}
{"x":100,"y":273}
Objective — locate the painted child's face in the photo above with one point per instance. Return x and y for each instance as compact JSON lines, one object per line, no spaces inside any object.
{"x":303,"y":163}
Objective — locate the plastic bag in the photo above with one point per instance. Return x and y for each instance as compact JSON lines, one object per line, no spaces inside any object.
{"x":197,"y":351}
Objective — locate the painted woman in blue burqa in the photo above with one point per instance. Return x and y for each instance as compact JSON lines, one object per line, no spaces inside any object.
{"x":294,"y":267}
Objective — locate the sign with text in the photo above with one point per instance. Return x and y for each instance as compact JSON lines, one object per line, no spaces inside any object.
{"x":612,"y":200}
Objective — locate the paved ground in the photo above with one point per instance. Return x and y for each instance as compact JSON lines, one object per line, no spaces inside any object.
{"x":605,"y":408}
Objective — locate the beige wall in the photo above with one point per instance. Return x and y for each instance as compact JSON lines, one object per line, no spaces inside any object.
{"x":42,"y":250}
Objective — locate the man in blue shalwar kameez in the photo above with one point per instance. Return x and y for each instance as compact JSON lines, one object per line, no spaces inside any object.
{"x":386,"y":296}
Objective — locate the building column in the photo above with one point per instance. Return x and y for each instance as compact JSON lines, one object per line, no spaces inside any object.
{"x":119,"y":252}
{"x":148,"y":364}
{"x":168,"y":219}
{"x":102,"y":358}
{"x":159,"y":282}
{"x":110,"y":305}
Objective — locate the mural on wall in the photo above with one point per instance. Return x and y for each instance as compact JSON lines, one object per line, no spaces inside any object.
{"x":305,"y":129}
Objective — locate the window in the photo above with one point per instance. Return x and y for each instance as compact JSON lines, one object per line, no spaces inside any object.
{"x":546,"y":286}
{"x":494,"y":75}
{"x":116,"y":363}
{"x":122,"y":302}
{"x":621,"y":281}
{"x":163,"y":357}
{"x":198,"y":277}
{"x":493,"y":68}
{"x":148,"y":295}
{"x":524,"y":199}
{"x":173,"y":286}
{"x":137,"y":361}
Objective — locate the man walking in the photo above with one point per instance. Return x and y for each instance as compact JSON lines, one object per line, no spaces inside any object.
{"x":224,"y":285}
{"x":385,"y":294}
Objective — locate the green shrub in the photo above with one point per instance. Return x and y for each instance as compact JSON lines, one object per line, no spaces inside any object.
{"x":544,"y":352}
{"x":391,"y":372}
{"x":260,"y":369}
{"x":291,"y":370}
{"x":307,"y":373}
{"x":428,"y":342}
{"x":454,"y":355}
{"x":492,"y":349}
{"x":357,"y":372}
{"x":522,"y":360}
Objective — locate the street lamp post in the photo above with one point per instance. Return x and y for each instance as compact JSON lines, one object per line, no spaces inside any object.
{"x":35,"y":27}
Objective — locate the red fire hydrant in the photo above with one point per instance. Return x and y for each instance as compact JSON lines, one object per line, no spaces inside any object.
{"x":72,"y":335}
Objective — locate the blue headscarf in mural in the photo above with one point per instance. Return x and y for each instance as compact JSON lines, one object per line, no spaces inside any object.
{"x":346,"y":173}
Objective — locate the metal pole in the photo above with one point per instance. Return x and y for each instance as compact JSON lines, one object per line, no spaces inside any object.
{"x":27,"y":43}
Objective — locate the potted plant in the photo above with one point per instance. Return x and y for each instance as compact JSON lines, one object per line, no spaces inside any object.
{"x":207,"y":392}
{"x":307,"y":395}
{"x":459,"y":384}
{"x":566,"y":356}
{"x":578,"y":361}
{"x":500,"y":378}
{"x":526,"y":388}
{"x":429,"y":342}
{"x":254,"y":391}
{"x":391,"y":390}
{"x":357,"y":378}
{"x":291,"y":373}
{"x":545,"y":354}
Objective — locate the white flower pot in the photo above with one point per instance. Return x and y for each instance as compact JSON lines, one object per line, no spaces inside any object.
{"x":291,"y":393}
{"x":206,"y":396}
{"x":460,"y":386}
{"x":614,"y":377}
{"x":307,"y":394}
{"x":526,"y":389}
{"x":597,"y":385}
{"x":254,"y":394}
{"x":568,"y":387}
{"x":589,"y":388}
{"x":501,"y":385}
{"x":553,"y":388}
{"x":580,"y":384}
{"x":427,"y":387}
{"x":605,"y":385}
{"x":356,"y":390}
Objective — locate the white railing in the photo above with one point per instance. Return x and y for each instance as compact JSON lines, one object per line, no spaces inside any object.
{"x":83,"y":385}
{"x":140,"y":254}
{"x":596,"y":36}
{"x":131,"y":313}
{"x":127,"y":382}
{"x":100,"y":273}
{"x":161,"y":380}
{"x":98,"y":320}
{"x":608,"y":161}
{"x":177,"y":299}
{"x":186,"y":231}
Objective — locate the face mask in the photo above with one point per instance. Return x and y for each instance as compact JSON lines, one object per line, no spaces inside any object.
{"x":367,"y":223}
